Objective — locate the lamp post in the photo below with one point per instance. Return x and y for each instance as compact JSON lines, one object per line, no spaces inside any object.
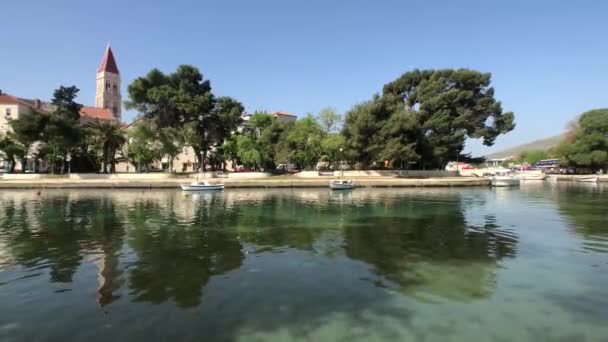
{"x":340,"y":161}
{"x":68,"y":158}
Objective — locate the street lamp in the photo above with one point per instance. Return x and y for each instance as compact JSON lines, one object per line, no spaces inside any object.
{"x":340,"y":157}
{"x":68,"y":158}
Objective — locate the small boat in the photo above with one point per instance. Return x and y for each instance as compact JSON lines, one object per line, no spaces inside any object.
{"x":201,"y":185}
{"x":342,"y":184}
{"x":534,"y":177}
{"x":590,"y":179}
{"x":504,"y":181}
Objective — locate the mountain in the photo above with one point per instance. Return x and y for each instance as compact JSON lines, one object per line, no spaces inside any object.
{"x":541,"y":144}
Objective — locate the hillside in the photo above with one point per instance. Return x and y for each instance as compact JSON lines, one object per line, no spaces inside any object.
{"x":541,"y":144}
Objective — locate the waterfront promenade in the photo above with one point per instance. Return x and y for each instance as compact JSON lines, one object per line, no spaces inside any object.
{"x":266,"y":182}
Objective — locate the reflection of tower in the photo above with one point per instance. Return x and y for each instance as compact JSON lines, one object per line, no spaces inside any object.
{"x":107,"y":95}
{"x":108,"y":276}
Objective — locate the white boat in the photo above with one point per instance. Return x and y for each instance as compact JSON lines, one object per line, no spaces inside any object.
{"x":342,"y":184}
{"x":590,"y":179}
{"x":201,"y":185}
{"x":534,"y":177}
{"x":504,"y":181}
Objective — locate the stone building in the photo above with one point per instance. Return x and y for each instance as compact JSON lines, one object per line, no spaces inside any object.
{"x":108,"y":105}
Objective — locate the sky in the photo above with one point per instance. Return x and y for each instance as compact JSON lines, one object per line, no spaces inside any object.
{"x":548,"y":59}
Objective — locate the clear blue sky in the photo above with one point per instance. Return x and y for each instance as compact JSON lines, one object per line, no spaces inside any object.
{"x":549,"y":59}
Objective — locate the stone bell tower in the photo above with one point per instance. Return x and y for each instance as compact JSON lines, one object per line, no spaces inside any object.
{"x":108,"y":85}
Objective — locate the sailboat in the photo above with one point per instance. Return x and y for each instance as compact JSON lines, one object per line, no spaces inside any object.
{"x":201,"y":185}
{"x":341,"y":184}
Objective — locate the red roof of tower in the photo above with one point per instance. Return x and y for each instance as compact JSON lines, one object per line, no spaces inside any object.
{"x":108,"y":63}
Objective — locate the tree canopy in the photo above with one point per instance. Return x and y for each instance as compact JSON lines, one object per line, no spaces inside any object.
{"x":424,"y":117}
{"x":587,"y":144}
{"x":183,"y":100}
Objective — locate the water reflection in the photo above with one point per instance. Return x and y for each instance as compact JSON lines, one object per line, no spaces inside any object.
{"x":254,"y":263}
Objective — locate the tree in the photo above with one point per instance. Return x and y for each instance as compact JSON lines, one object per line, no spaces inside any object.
{"x":361,"y":131}
{"x":12,"y":151}
{"x":332,"y":146}
{"x":248,"y":151}
{"x":110,"y":136}
{"x":229,"y":151}
{"x":64,"y":103}
{"x":304,"y":143}
{"x":532,"y":157}
{"x":588,"y":145}
{"x":435,"y":110}
{"x":171,"y":144}
{"x":63,"y":132}
{"x":329,"y":119}
{"x":28,"y":129}
{"x":183,"y":100}
{"x":143,"y":148}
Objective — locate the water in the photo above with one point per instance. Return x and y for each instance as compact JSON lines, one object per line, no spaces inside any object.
{"x":480,"y":264}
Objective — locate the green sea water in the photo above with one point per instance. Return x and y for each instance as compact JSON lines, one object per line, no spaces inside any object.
{"x":476,"y":264}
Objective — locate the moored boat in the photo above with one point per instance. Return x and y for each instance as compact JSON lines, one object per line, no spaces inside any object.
{"x":532,"y":177}
{"x":342,"y":184}
{"x":201,"y":185}
{"x":503,"y":181}
{"x":590,"y":179}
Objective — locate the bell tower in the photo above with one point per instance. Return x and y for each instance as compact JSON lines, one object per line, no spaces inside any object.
{"x":108,"y":85}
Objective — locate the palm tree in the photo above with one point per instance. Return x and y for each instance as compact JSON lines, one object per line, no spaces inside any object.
{"x":110,"y":136}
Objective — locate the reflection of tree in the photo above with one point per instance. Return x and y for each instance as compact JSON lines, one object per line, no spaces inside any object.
{"x":586,"y":207}
{"x":176,"y":259}
{"x":284,"y":221}
{"x":427,"y":246}
{"x":45,"y":232}
{"x":55,"y":232}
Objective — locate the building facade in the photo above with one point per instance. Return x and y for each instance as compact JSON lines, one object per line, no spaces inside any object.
{"x":108,"y":102}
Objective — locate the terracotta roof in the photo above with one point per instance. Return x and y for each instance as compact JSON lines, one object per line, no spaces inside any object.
{"x":33,"y":103}
{"x":108,"y":63}
{"x":86,"y":112}
{"x":283,"y":113}
{"x":9,"y":99}
{"x":92,"y":113}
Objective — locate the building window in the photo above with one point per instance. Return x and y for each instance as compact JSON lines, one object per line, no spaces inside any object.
{"x":107,"y":86}
{"x":115,"y":111}
{"x":7,"y":112}
{"x":115,"y":89}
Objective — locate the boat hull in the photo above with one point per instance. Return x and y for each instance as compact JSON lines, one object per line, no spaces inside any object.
{"x":504,"y":182}
{"x":533,"y":177}
{"x":588,"y":180}
{"x":202,"y":187}
{"x":341,"y":185}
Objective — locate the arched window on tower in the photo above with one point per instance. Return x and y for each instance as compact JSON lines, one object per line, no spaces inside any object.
{"x":115,"y":88}
{"x":115,"y":111}
{"x":108,"y":86}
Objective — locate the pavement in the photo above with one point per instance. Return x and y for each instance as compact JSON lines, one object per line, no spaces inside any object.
{"x":271,"y":182}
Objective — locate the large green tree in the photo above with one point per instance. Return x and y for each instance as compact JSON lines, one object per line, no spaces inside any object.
{"x":304,"y":143}
{"x":424,"y":117}
{"x":63,"y":134}
{"x":184,"y":100}
{"x":587,"y":145}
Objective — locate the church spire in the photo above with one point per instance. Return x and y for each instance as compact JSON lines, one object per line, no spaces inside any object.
{"x":108,"y":63}
{"x":108,"y":85}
